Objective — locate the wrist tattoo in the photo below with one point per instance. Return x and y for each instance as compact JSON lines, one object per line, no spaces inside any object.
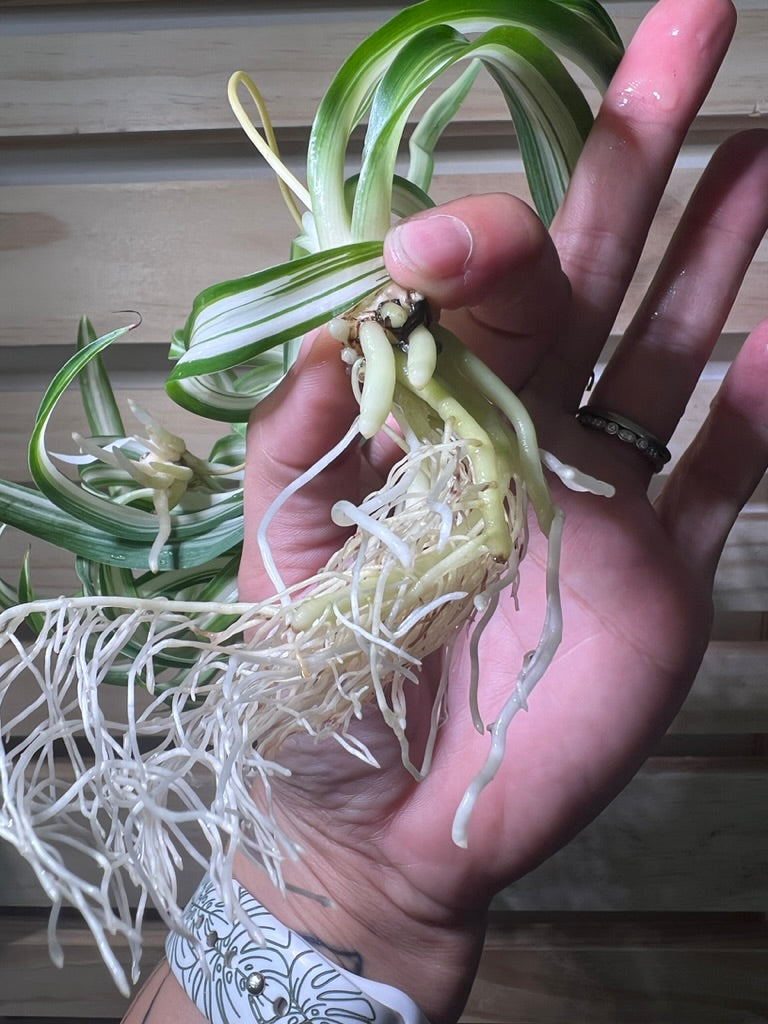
{"x":349,"y":959}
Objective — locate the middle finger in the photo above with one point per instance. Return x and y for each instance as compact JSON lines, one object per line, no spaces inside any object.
{"x":658,"y":362}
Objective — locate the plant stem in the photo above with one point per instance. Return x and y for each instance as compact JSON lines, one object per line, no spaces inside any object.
{"x":497,"y":392}
{"x":480,"y":451}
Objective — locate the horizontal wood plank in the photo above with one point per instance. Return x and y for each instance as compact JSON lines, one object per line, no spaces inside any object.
{"x":146,"y":74}
{"x":20,"y":409}
{"x":95,"y":248}
{"x":741,"y":584}
{"x":150,"y":248}
{"x":22,"y":391}
{"x":677,"y":839}
{"x":31,"y":986}
{"x":729,"y":695}
{"x":681,"y":969}
{"x":140,"y":375}
{"x":603,"y":970}
{"x":686,"y":835}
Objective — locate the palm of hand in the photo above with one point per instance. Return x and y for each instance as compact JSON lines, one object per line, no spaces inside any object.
{"x":636,"y":622}
{"x":635,"y":626}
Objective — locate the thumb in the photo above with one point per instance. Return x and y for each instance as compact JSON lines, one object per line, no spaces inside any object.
{"x":489,"y":260}
{"x":304,"y":418}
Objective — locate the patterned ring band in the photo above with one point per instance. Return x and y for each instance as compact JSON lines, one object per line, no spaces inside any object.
{"x":614,"y":425}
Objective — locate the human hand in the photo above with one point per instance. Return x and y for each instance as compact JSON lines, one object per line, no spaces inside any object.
{"x":636,"y":577}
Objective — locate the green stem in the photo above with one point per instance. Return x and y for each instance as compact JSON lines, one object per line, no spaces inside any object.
{"x":480,"y":451}
{"x":497,"y":392}
{"x":427,"y":571}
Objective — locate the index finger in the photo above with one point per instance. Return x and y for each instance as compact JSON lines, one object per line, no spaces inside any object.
{"x":602,"y":225}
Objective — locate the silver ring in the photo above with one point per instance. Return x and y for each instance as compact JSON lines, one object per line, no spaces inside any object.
{"x":625,"y":430}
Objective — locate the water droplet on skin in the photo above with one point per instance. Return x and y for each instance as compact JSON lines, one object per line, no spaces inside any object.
{"x":635,"y":94}
{"x":625,"y":96}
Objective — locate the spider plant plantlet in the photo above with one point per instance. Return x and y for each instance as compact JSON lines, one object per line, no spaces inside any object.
{"x":107,"y":804}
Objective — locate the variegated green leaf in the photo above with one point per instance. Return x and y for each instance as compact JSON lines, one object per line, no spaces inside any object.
{"x":581,"y":32}
{"x":427,"y":133}
{"x":549,"y":111}
{"x":235,"y":321}
{"x":98,"y":398}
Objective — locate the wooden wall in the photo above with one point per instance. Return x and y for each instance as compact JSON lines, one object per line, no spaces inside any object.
{"x":124,"y":185}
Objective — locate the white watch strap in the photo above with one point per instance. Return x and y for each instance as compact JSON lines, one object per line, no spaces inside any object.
{"x":232,"y":978}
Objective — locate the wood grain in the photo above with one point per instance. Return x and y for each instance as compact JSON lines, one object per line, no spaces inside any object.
{"x":681,"y":969}
{"x":145,"y":75}
{"x":665,"y":844}
{"x":95,"y":248}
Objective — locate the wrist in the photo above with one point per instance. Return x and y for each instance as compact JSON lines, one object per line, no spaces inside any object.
{"x":366,"y":919}
{"x":236,"y":961}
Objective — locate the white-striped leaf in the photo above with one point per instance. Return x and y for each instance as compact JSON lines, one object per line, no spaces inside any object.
{"x":232,"y":322}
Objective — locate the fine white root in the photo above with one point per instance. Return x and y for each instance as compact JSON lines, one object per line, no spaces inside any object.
{"x":534,"y":666}
{"x":105,"y":797}
{"x":575,"y":479}
{"x":301,"y":481}
{"x":108,"y":798}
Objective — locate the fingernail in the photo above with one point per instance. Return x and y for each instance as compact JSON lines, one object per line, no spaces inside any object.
{"x":439,"y":245}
